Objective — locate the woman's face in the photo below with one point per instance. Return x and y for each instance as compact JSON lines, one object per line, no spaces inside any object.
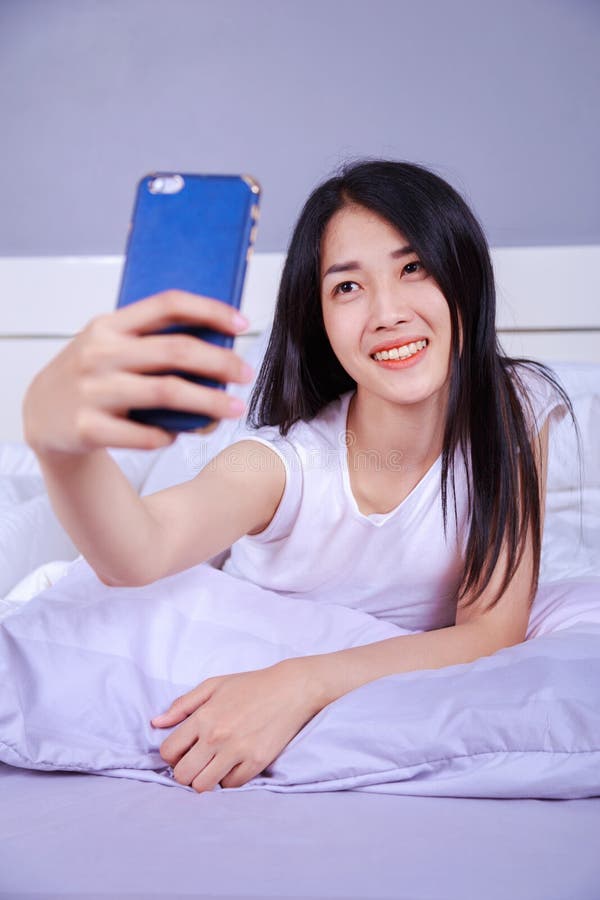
{"x":380,"y":296}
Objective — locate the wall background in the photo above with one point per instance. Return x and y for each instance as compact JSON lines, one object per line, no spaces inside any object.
{"x":501,"y":99}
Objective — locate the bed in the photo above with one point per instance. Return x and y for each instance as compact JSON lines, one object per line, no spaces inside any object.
{"x":518,"y":816}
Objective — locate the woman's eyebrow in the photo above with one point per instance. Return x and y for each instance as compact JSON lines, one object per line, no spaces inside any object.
{"x":354,"y":266}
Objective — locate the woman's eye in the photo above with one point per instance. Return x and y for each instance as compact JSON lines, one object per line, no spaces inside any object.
{"x":343,"y":284}
{"x":411,"y":266}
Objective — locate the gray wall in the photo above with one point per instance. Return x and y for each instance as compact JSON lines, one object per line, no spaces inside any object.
{"x":500,"y":98}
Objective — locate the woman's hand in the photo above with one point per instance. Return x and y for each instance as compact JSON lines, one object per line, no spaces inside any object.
{"x":80,"y":399}
{"x":236,"y":725}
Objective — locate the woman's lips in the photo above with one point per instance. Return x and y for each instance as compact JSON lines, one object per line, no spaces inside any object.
{"x":402,"y":363}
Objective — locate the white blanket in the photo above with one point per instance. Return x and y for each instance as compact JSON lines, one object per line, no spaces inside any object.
{"x":84,"y":667}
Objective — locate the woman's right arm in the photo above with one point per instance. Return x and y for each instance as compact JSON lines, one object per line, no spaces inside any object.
{"x":76,"y":407}
{"x":236,"y":493}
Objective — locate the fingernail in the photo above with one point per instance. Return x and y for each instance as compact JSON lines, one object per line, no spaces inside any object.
{"x":240,"y":321}
{"x":247,"y":371}
{"x":236,"y":405}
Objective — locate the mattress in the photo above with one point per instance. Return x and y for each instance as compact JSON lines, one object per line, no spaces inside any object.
{"x":76,"y":835}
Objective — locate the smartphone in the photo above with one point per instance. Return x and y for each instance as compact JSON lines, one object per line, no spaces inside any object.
{"x":194,"y":233}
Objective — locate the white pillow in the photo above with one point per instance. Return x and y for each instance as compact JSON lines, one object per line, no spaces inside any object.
{"x":582,"y":383}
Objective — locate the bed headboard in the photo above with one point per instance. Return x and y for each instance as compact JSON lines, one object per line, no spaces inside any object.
{"x":548,"y":308}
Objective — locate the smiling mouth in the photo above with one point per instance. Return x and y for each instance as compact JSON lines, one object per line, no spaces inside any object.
{"x":405,"y":351}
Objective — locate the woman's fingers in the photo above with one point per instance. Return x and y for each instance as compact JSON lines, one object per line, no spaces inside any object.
{"x":172,"y":307}
{"x":122,"y":391}
{"x":153,"y":353}
{"x":97,"y":429}
{"x":81,"y":399}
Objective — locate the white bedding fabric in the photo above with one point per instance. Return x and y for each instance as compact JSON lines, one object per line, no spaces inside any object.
{"x":84,"y":667}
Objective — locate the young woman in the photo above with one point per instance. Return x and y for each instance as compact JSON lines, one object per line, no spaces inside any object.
{"x":382,"y":383}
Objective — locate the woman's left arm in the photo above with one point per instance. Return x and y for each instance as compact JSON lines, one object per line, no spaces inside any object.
{"x":231,"y":727}
{"x":479,"y":630}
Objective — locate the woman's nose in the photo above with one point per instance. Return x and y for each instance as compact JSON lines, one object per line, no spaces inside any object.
{"x":388,"y":309}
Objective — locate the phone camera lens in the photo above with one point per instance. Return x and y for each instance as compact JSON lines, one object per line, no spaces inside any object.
{"x":166,"y":184}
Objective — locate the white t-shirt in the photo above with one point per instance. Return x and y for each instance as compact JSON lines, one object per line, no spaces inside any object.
{"x":319,"y":546}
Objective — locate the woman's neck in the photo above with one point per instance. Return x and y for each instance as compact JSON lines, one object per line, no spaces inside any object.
{"x":411,"y":434}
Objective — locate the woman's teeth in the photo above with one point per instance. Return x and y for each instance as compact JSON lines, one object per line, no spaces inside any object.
{"x":402,"y":352}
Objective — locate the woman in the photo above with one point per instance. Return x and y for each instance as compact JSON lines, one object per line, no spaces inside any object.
{"x":383,"y":349}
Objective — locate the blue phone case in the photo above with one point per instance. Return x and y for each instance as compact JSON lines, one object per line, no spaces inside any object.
{"x":197,"y":239}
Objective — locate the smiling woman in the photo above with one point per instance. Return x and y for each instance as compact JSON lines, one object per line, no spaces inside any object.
{"x":417,"y":275}
{"x":335,"y":489}
{"x":394,"y":304}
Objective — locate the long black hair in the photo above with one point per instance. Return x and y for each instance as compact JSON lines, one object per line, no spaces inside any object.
{"x":486,"y":416}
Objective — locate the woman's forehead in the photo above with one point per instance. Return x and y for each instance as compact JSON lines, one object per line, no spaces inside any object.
{"x":353,"y":228}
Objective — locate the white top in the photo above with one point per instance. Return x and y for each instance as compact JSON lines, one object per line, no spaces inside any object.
{"x":395,"y":565}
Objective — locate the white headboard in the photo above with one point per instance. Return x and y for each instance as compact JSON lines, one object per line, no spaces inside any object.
{"x":548,"y":308}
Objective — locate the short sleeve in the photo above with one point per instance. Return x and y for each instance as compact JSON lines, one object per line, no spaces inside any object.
{"x":286,"y":513}
{"x":543,"y":396}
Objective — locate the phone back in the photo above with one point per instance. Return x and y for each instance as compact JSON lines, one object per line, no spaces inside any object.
{"x":191,"y":232}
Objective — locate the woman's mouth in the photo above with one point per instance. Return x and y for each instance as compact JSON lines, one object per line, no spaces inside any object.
{"x":402,"y":356}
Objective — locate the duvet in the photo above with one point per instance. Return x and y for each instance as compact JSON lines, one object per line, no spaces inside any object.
{"x":84,"y":667}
